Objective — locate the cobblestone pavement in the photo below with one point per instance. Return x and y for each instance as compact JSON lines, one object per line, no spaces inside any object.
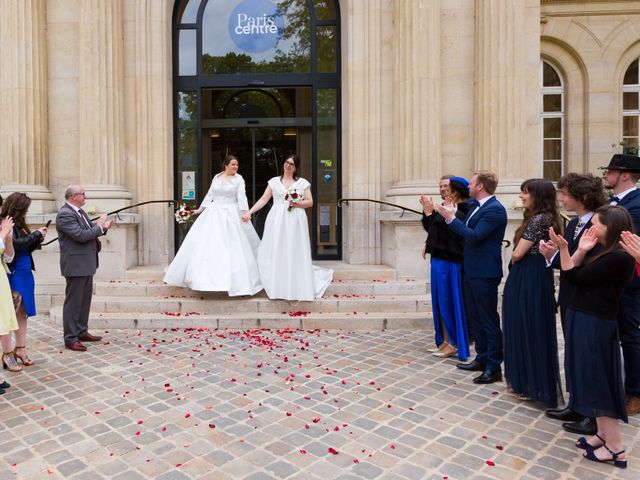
{"x":283,"y":404}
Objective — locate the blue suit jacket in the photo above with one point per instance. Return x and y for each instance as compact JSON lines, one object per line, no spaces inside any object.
{"x":483,"y":239}
{"x":631,"y":201}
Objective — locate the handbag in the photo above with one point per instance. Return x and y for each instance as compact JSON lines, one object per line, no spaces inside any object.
{"x":17,"y":300}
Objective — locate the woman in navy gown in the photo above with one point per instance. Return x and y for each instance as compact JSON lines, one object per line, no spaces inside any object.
{"x":599,"y":270}
{"x":529,"y":307}
{"x":445,"y":249}
{"x":21,"y":278}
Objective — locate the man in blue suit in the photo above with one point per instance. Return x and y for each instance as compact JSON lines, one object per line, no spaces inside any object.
{"x":622,"y":175}
{"x":483,"y":232}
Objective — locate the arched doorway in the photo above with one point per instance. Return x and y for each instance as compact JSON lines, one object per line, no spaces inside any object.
{"x":260,"y":79}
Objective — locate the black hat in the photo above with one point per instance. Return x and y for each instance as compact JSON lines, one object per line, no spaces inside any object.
{"x":624,"y":163}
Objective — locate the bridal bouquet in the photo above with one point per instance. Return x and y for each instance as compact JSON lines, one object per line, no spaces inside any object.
{"x":293,"y":195}
{"x":183,"y":215}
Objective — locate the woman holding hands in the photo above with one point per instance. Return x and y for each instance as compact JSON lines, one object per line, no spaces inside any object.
{"x":284,"y":255}
{"x":599,"y":270}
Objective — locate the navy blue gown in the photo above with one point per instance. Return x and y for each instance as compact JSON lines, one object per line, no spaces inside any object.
{"x":529,"y":322}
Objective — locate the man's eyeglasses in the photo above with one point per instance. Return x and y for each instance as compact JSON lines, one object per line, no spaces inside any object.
{"x":81,"y":193}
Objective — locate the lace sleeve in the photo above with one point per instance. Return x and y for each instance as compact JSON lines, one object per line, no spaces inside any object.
{"x":243,"y":203}
{"x":537,"y":229}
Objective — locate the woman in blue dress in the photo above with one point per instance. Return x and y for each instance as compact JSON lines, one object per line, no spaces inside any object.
{"x":21,"y":268}
{"x":531,"y":364}
{"x":445,"y":249}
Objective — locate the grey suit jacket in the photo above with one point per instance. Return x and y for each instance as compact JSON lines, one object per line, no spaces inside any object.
{"x":78,"y":250}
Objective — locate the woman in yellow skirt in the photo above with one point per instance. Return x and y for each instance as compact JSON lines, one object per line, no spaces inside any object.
{"x":8,"y":321}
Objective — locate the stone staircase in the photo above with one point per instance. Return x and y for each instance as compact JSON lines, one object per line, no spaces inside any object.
{"x":361,"y":297}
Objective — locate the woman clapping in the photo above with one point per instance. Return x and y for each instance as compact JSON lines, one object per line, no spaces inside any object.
{"x":599,"y":269}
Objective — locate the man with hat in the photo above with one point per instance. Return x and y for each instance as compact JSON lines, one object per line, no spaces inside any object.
{"x":621,"y":176}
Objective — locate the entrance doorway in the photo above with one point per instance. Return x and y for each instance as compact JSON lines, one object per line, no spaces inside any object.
{"x":260,"y":94}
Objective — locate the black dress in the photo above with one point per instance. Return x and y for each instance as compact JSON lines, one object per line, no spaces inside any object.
{"x":592,"y":351}
{"x":529,"y":322}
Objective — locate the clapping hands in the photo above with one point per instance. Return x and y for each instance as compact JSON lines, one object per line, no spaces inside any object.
{"x":631,"y":243}
{"x":427,"y":205}
{"x":558,"y":240}
{"x":448,"y":211}
{"x":588,"y":240}
{"x":6,"y":228}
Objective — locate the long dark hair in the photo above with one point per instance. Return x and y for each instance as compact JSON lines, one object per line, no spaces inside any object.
{"x":617,"y":220}
{"x":543,"y":194}
{"x":296,"y":160}
{"x":16,"y":205}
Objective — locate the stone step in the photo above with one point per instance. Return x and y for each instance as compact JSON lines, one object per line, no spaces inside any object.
{"x":223,"y":305}
{"x":341,"y":271}
{"x":153,"y":288}
{"x":243,"y":321}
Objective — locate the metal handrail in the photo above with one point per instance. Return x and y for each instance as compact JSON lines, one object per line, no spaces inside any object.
{"x":115,"y":212}
{"x":347,"y":200}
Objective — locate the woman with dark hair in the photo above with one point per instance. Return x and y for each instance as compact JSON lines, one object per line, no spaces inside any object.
{"x":599,"y":270}
{"x":284,"y":256}
{"x":531,"y":364}
{"x":8,"y":321}
{"x":445,"y":249}
{"x":21,"y":268}
{"x":219,"y":252}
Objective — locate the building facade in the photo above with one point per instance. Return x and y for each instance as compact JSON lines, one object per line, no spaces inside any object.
{"x":140,"y":99}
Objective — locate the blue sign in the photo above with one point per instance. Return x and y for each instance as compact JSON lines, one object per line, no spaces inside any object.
{"x":327,"y":177}
{"x":256,"y":25}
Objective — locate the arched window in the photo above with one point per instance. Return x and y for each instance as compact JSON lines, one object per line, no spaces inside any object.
{"x":552,"y":114}
{"x":631,"y":109}
{"x":260,"y":79}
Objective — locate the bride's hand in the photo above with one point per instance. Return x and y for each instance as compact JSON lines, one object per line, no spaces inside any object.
{"x":197,"y":211}
{"x":246,"y":217}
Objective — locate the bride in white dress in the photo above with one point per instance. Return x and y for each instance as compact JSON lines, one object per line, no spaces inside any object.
{"x":219,"y":252}
{"x":284,"y":255}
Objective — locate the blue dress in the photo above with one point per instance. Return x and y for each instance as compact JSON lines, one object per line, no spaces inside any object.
{"x":21,"y":268}
{"x":529,"y":322}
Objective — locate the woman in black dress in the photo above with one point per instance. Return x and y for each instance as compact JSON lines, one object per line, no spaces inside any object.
{"x":599,"y":270}
{"x":531,"y":364}
{"x":445,"y":249}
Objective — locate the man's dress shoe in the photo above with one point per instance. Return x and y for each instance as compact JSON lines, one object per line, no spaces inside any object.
{"x":87,"y":337}
{"x":5,"y":384}
{"x":75,"y":346}
{"x":474,"y":366}
{"x":488,"y":377}
{"x":564,"y":414}
{"x":586,"y":426}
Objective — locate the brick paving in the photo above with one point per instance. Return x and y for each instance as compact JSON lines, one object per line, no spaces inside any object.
{"x":259,"y":405}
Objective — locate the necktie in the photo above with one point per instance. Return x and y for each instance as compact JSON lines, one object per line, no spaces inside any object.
{"x":579,"y":227}
{"x":84,"y":217}
{"x":614,"y":200}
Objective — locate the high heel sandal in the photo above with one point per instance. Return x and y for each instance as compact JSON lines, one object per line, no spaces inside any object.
{"x":584,"y":445}
{"x":26,"y":361}
{"x":9,"y":362}
{"x":590,"y":455}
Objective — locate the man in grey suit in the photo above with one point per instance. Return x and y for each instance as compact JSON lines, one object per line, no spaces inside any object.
{"x":79,"y":248}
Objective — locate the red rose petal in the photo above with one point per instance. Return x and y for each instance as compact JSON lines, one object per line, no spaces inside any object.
{"x":490,"y":463}
{"x":332,"y":451}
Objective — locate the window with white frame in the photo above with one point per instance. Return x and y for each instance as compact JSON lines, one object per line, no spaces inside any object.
{"x":631,"y":108}
{"x":552,"y":114}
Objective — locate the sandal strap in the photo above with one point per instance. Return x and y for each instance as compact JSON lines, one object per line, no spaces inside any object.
{"x":19,"y":346}
{"x":601,"y":439}
{"x":613,"y":454}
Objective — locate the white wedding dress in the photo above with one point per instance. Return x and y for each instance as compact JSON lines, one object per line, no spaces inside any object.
{"x":284,"y":255}
{"x":219,"y":252}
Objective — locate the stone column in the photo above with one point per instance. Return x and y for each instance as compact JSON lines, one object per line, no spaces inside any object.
{"x":417,"y":145}
{"x":368,"y":125}
{"x":23,"y":102}
{"x":101,"y":104}
{"x":507,"y":131}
